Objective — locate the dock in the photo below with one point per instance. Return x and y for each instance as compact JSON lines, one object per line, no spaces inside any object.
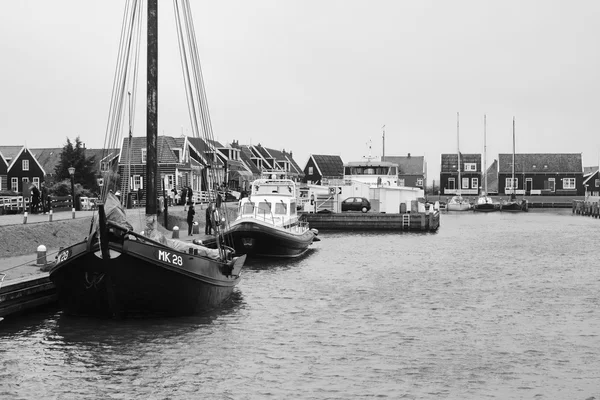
{"x":374,"y":221}
{"x":25,"y":294}
{"x":587,"y":208}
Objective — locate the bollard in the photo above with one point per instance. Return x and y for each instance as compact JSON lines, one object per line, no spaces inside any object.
{"x":175,"y":232}
{"x":25,"y":217}
{"x":41,"y":255}
{"x":73,"y":211}
{"x":195,"y":228}
{"x":50,"y":216}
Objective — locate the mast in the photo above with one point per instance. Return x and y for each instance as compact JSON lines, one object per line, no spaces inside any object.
{"x":152,"y":109}
{"x":383,"y":138}
{"x":484,"y":155}
{"x":458,"y":192}
{"x":512,"y":195}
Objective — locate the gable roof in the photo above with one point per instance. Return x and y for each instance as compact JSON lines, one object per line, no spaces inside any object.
{"x":10,"y":152}
{"x":450,"y":161}
{"x":541,"y":162}
{"x":592,"y":175}
{"x":407,"y":165}
{"x":328,"y":165}
{"x":202,"y":147}
{"x":246,"y":157}
{"x":18,"y":155}
{"x":48,"y":158}
{"x":164,"y":148}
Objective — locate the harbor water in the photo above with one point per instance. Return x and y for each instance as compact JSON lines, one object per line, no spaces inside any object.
{"x":497,"y":306}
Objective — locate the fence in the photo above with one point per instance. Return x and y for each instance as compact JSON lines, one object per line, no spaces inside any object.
{"x":18,"y":204}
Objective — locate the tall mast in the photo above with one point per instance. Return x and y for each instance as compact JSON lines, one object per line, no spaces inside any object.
{"x":484,"y":155}
{"x":152,"y":109}
{"x":383,"y":137}
{"x":513,"y":163}
{"x":458,"y":192}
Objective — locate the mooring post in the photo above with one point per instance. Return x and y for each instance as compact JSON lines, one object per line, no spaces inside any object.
{"x":175,"y":232}
{"x":41,"y":255}
{"x":25,"y":217}
{"x":50,"y":216}
{"x":73,"y":211}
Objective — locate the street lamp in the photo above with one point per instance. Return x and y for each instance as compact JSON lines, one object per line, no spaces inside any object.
{"x":72,"y":173}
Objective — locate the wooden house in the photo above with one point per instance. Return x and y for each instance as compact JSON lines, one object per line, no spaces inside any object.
{"x":470,"y":174}
{"x":321,"y":169}
{"x":541,"y":174}
{"x":22,"y":168}
{"x":591,"y":181}
{"x":412,"y":170}
{"x":3,"y":173}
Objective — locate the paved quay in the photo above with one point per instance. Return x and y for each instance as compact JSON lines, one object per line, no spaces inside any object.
{"x":18,"y":267}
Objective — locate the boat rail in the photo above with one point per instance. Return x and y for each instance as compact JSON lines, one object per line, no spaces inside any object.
{"x":279,"y":221}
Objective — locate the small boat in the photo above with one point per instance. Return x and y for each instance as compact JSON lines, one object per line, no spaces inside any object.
{"x":485,"y":203}
{"x":513,"y":204}
{"x":457,"y":202}
{"x":267,"y":224}
{"x":116,"y":272}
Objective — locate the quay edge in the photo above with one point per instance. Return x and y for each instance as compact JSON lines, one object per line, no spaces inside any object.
{"x":25,"y":294}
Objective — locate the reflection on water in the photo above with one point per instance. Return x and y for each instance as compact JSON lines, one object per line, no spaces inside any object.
{"x":492,"y":305}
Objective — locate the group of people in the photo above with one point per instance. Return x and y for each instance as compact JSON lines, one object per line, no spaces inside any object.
{"x":39,"y":199}
{"x":208,"y":227}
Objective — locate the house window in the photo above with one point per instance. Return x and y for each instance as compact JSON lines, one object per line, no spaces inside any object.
{"x":474,"y":183}
{"x":465,"y":183}
{"x":104,"y":166}
{"x":597,"y":183}
{"x":451,"y":184}
{"x":177,"y":153}
{"x":169,"y":180}
{"x":419,"y":181}
{"x":137,"y":182}
{"x":310,"y":170}
{"x":25,"y":165}
{"x":36,"y":182}
{"x":143,"y":156}
{"x":568,"y":183}
{"x":470,"y":167}
{"x":3,"y":182}
{"x":511,"y":185}
{"x":14,"y":184}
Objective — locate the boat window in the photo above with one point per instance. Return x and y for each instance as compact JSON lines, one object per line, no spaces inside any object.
{"x":280,"y":208}
{"x":293,"y":208}
{"x":264,"y":206}
{"x":248,"y":208}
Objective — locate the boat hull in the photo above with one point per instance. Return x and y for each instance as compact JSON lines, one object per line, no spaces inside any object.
{"x":486,"y":207}
{"x":458,"y":207}
{"x":140,"y":279}
{"x":514,"y":206}
{"x":258,"y":239}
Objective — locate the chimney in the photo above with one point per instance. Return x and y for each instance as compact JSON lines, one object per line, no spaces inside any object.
{"x":408,"y":155}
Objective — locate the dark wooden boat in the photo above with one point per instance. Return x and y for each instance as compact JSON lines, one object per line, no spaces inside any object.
{"x":116,"y":272}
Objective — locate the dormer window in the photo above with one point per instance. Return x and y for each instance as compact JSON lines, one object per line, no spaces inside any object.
{"x":25,"y":165}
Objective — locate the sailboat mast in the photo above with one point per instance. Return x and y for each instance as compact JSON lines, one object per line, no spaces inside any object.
{"x":513,"y":163}
{"x":484,"y":154}
{"x":152,"y":109}
{"x":458,"y":154}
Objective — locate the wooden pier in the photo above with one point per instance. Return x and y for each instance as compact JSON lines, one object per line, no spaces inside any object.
{"x":24,"y":294}
{"x":374,"y":221}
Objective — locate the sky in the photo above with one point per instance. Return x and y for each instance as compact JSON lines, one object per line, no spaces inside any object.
{"x":322,"y":76}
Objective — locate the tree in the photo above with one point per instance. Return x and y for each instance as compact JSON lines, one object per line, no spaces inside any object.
{"x":74,"y":156}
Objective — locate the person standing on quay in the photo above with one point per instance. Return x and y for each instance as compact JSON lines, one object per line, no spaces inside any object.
{"x":208,"y":226}
{"x":190,"y":219}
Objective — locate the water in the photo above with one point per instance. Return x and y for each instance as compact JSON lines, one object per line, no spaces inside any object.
{"x":500,"y":306}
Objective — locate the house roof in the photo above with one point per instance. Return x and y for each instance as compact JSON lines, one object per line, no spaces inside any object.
{"x":408,"y":165}
{"x":245,"y":156}
{"x":202,"y":147}
{"x":21,"y":151}
{"x":590,"y":170}
{"x":10,"y":152}
{"x":328,"y":165}
{"x":540,"y":163}
{"x":164,"y":145}
{"x":592,"y":175}
{"x":48,"y":158}
{"x":450,"y":161}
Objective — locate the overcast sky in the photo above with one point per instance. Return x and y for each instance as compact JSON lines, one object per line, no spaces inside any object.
{"x":322,"y":77}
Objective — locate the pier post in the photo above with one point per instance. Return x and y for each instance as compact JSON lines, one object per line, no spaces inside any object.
{"x":41,"y":255}
{"x":50,"y":216}
{"x":73,"y":211}
{"x":175,"y":232}
{"x":25,"y":217}
{"x":423,"y":222}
